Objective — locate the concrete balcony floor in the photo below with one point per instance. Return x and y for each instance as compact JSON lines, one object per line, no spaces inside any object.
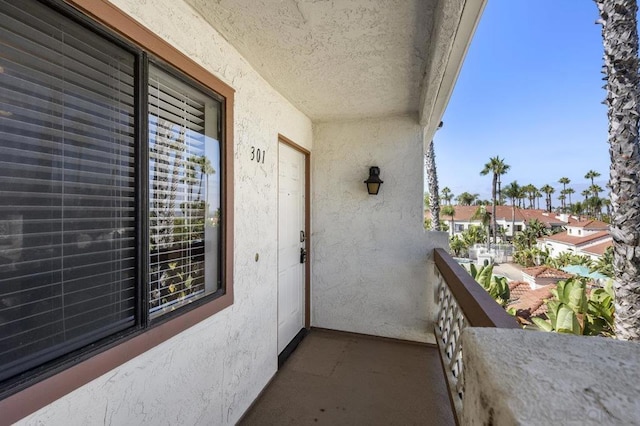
{"x":336,"y":378}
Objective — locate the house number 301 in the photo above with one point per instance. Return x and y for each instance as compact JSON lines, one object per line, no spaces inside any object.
{"x":257,"y":155}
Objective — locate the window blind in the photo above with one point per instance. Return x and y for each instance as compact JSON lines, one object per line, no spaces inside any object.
{"x":183,"y":238}
{"x":67,"y":187}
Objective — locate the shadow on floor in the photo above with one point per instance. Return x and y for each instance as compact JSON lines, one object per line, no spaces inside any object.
{"x":336,"y":378}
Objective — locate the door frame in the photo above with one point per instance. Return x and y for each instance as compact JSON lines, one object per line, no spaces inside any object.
{"x":307,"y":222}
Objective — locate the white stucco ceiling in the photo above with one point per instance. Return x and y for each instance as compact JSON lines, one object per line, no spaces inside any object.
{"x":333,"y":59}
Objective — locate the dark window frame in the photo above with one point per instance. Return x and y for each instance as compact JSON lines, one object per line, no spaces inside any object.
{"x":185,"y":79}
{"x":48,"y":383}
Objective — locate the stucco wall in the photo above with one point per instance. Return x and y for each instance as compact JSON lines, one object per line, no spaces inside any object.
{"x":518,"y":377}
{"x":212,"y":372}
{"x":555,"y":249}
{"x":370,"y":269}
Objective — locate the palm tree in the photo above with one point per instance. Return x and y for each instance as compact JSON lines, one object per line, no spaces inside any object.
{"x":562,"y":197}
{"x":474,"y":234}
{"x":501,"y":170}
{"x":483,"y":216}
{"x":536,"y":229}
{"x":538,"y":195}
{"x":620,"y":39}
{"x":432,"y":182}
{"x":595,"y":202}
{"x":591,"y":174}
{"x":577,"y":208}
{"x":496,"y":167}
{"x":200,"y":166}
{"x":568,"y":192}
{"x":595,"y":205}
{"x":466,"y":198}
{"x":457,"y":245}
{"x":521,"y":197}
{"x":548,"y":189}
{"x":513,"y":192}
{"x":447,"y":195}
{"x":607,"y":204}
{"x":586,"y":194}
{"x":450,"y":211}
{"x":564,"y":181}
{"x":530,"y":190}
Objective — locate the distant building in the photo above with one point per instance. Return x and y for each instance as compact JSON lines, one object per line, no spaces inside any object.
{"x":596,"y":251}
{"x":542,"y":276}
{"x":506,"y":219}
{"x":590,"y":238}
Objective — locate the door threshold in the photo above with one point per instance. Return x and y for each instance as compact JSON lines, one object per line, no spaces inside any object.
{"x":293,"y":344}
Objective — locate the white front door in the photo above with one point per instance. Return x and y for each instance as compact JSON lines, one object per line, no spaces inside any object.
{"x":291,"y":224}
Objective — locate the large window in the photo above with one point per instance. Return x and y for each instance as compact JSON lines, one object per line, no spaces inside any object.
{"x":104,"y":227}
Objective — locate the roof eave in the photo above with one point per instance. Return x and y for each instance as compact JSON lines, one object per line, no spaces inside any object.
{"x":453,"y":29}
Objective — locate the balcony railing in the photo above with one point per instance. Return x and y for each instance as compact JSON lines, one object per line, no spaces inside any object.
{"x":462,"y":302}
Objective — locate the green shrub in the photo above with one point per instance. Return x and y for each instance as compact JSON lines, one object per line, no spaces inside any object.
{"x":497,"y":287}
{"x":573,"y":310}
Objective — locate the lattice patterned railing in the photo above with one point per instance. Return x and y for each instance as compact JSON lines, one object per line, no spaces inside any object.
{"x":461,"y":303}
{"x":449,"y":325}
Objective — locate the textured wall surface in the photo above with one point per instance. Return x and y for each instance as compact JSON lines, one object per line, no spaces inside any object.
{"x":333,"y":59}
{"x":371,"y":272}
{"x":535,"y":378}
{"x":212,"y":372}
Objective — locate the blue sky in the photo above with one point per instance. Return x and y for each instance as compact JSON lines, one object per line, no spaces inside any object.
{"x":530,"y":91}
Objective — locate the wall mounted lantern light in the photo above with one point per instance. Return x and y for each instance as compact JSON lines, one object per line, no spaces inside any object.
{"x":374,"y":182}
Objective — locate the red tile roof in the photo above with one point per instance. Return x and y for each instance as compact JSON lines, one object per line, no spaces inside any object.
{"x":543,"y":216}
{"x":527,"y":302}
{"x":565,"y":238}
{"x":465,"y":213}
{"x":591,"y":224}
{"x":598,"y":249}
{"x":517,"y":289}
{"x":546,"y":272}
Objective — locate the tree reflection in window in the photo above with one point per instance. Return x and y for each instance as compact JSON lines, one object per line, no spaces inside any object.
{"x":183,"y":217}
